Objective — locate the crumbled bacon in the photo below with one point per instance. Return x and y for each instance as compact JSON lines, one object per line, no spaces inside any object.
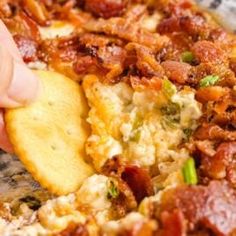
{"x":85,"y":64}
{"x":106,"y":8}
{"x":212,"y":93}
{"x":139,"y":181}
{"x":37,"y":11}
{"x":125,"y":202}
{"x":227,"y":78}
{"x":145,"y":61}
{"x":177,"y":71}
{"x":138,"y":83}
{"x":23,"y":25}
{"x":206,"y":147}
{"x":74,"y":230}
{"x":27,"y":48}
{"x":131,"y":178}
{"x":193,"y":25}
{"x":140,"y":228}
{"x":209,"y":207}
{"x":214,"y":132}
{"x":169,"y":25}
{"x":125,"y":30}
{"x":206,"y":51}
{"x":216,"y":166}
{"x":173,"y":223}
{"x":31,"y":27}
{"x":6,"y":8}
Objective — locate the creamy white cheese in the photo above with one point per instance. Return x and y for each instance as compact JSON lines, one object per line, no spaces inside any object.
{"x":93,"y":193}
{"x":56,"y":29}
{"x":132,"y":123}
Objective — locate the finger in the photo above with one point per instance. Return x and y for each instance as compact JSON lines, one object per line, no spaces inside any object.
{"x":4,"y":141}
{"x":18,"y":84}
{"x":8,"y":42}
{"x":6,"y":70}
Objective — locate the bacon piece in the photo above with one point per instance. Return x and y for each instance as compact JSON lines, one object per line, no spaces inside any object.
{"x":153,"y":83}
{"x":128,"y":31}
{"x":85,"y":64}
{"x":135,"y":12}
{"x":6,"y":8}
{"x":217,"y":165}
{"x":214,"y":132}
{"x":192,"y":25}
{"x":227,"y":78}
{"x":225,"y":118}
{"x":206,"y":147}
{"x":23,"y":25}
{"x":145,"y":62}
{"x":125,"y":202}
{"x":74,"y":230}
{"x":140,"y":228}
{"x":27,"y":48}
{"x":169,"y":25}
{"x":31,"y":26}
{"x":174,"y":7}
{"x":227,"y":104}
{"x":136,"y":178}
{"x":113,"y":167}
{"x":177,"y":71}
{"x":139,"y":181}
{"x":219,"y":35}
{"x":37,"y":11}
{"x":106,"y":8}
{"x":173,"y":223}
{"x":112,"y":58}
{"x":211,"y":93}
{"x":88,"y":40}
{"x":208,"y":207}
{"x":206,"y":51}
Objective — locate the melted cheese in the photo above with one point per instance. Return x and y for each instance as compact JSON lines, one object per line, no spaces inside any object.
{"x":131,"y":123}
{"x":56,"y":29}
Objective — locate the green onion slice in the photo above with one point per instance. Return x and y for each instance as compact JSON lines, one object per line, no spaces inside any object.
{"x":187,"y":57}
{"x":209,"y":80}
{"x":113,"y":191}
{"x":168,"y":88}
{"x":189,"y":172}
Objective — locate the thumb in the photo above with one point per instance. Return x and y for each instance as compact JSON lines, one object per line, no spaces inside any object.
{"x":18,"y":84}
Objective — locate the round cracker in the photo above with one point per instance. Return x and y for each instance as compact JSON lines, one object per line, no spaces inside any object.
{"x":48,"y":136}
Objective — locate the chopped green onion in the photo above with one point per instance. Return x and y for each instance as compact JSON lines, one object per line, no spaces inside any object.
{"x":187,"y":133}
{"x":113,"y":191}
{"x":187,"y":57}
{"x":170,"y":109}
{"x":189,"y":172}
{"x":171,"y":115}
{"x":168,"y":88}
{"x":209,"y":80}
{"x":168,"y":122}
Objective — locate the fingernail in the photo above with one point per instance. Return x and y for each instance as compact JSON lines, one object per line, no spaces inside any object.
{"x":24,"y":85}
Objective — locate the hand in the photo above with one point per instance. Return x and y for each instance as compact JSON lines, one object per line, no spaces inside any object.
{"x":18,"y":85}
